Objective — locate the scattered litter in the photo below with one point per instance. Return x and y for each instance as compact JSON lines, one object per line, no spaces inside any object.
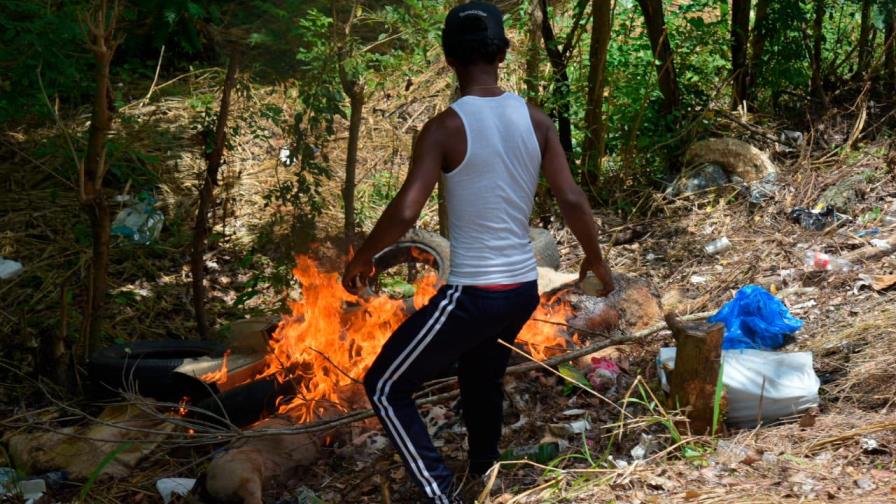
{"x":11,"y":485}
{"x":872,"y":447}
{"x":882,"y":244}
{"x":791,"y":138}
{"x":619,"y":463}
{"x":169,"y":487}
{"x":646,"y":446}
{"x":697,"y":279}
{"x":568,"y":429}
{"x":9,"y":269}
{"x":755,"y":319}
{"x":868,"y":232}
{"x":764,"y":188}
{"x":804,"y":305}
{"x":717,"y":246}
{"x":816,"y":220}
{"x":574,"y":412}
{"x":759,"y":385}
{"x":730,"y":452}
{"x":820,"y":261}
{"x":705,"y":177}
{"x":602,"y":373}
{"x":140,"y":221}
{"x":540,"y":453}
{"x":865,"y":484}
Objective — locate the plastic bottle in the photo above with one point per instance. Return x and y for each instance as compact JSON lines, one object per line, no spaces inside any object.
{"x":717,"y":246}
{"x":824,"y":262}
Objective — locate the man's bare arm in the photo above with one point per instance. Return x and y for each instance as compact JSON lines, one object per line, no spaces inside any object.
{"x":403,"y":211}
{"x":572,"y":200}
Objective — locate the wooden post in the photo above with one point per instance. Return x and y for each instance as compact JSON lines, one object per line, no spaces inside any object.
{"x":692,"y":384}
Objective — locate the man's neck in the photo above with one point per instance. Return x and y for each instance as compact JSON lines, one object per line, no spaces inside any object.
{"x":479,"y":80}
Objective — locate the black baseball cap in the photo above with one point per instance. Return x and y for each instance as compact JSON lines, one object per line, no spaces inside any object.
{"x":474,"y":21}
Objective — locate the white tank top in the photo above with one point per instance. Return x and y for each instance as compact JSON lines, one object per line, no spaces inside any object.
{"x":490,"y":194}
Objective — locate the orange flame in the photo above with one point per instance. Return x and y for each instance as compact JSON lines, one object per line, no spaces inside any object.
{"x":542,"y":334}
{"x":331,"y":337}
{"x":219,"y":376}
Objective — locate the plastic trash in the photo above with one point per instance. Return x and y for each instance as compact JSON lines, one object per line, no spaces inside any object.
{"x":882,"y":244}
{"x":717,"y":246}
{"x":169,"y":487}
{"x":755,"y":319}
{"x":707,"y":176}
{"x":9,"y":269}
{"x":602,"y":373}
{"x":140,"y":221}
{"x":764,"y":188}
{"x":759,"y":385}
{"x":29,"y":490}
{"x":816,"y":220}
{"x":825,"y":262}
{"x":868,"y":232}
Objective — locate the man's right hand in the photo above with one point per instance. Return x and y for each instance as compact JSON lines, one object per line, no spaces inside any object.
{"x":601,"y":270}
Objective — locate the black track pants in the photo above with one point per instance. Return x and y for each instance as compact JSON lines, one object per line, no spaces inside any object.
{"x":460,"y":324}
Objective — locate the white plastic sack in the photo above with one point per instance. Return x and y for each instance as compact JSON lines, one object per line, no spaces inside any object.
{"x":759,"y":384}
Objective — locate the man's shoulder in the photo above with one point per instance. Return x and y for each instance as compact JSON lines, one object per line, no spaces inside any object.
{"x":446,"y":122}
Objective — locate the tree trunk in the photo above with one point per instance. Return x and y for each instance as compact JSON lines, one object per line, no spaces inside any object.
{"x":214,"y":160}
{"x":757,"y":48}
{"x":816,"y":88}
{"x":662,"y":51}
{"x":740,"y":36}
{"x":595,"y":134}
{"x":355,"y":92}
{"x":533,"y":53}
{"x":561,"y":80}
{"x":100,"y":34}
{"x":890,"y":48}
{"x":698,"y":358}
{"x":865,"y":44}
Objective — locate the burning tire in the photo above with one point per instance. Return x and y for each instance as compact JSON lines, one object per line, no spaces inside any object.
{"x":420,"y":247}
{"x":148,"y":368}
{"x":431,"y":249}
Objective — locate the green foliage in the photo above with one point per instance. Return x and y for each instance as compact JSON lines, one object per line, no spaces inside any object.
{"x":45,"y":36}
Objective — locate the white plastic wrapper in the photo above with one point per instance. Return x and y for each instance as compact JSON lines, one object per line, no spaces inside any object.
{"x":760,"y":385}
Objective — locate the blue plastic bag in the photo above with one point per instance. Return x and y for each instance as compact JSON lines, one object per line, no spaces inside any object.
{"x":755,"y":319}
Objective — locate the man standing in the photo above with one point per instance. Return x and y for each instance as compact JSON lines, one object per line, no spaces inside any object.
{"x":490,"y":147}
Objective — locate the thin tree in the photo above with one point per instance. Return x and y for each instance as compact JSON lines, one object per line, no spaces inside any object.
{"x":890,"y":44}
{"x":353,"y":88}
{"x":816,"y":88}
{"x":533,"y":52}
{"x":558,"y":56}
{"x":213,"y":161}
{"x":865,"y":43}
{"x":740,"y":36}
{"x":595,"y":128}
{"x":655,"y":21}
{"x":102,"y":42}
{"x":758,"y":37}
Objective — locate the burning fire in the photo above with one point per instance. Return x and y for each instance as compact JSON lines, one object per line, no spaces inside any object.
{"x":331,"y":337}
{"x":219,"y":376}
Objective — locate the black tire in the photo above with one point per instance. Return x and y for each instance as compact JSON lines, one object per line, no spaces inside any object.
{"x":417,"y":246}
{"x":147,"y":367}
{"x":545,"y":248}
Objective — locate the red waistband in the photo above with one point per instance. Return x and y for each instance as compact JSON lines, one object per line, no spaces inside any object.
{"x":499,"y":287}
